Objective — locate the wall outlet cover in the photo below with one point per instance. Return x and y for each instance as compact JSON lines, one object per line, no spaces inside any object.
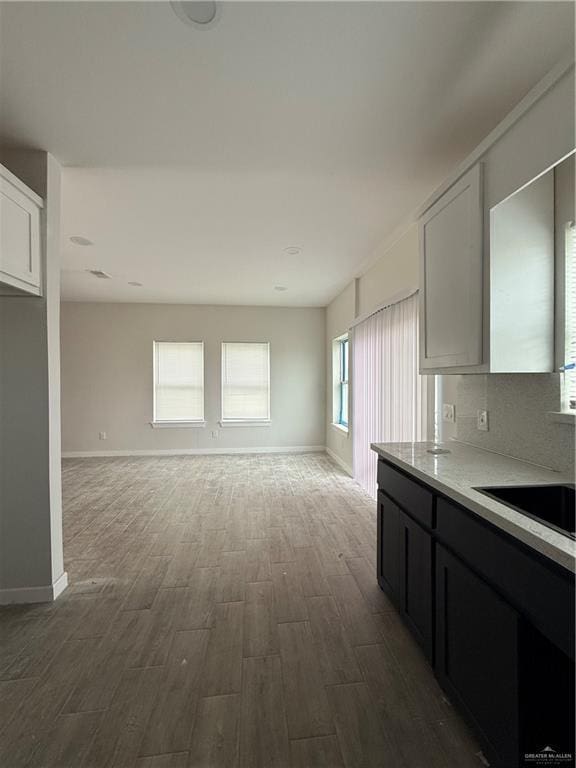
{"x":215,"y":434}
{"x":482,"y":420}
{"x":102,"y":436}
{"x":449,"y":412}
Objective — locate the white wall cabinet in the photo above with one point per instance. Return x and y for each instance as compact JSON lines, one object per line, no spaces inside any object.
{"x":451,"y":277}
{"x":20,"y":249}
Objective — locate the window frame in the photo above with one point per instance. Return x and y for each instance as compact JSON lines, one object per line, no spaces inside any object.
{"x":256,"y":422}
{"x":340,"y":377}
{"x":567,"y":365}
{"x":175,"y":423}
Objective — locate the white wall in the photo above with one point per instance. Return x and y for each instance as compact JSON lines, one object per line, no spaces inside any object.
{"x":107,"y":375}
{"x":339,"y":315}
{"x":31,"y":553}
{"x":394,"y":269}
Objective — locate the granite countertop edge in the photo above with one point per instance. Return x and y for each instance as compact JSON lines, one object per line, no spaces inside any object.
{"x":548,"y":542}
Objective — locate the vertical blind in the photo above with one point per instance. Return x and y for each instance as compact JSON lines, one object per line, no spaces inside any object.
{"x":245,"y":381}
{"x":570,"y":319}
{"x":179,"y":381}
{"x":389,"y":398}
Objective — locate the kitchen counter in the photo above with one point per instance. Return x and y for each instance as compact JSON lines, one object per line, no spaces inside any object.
{"x":457,"y":473}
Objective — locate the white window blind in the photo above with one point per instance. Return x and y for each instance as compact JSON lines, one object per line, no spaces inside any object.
{"x":389,"y":398}
{"x":245,"y":381}
{"x":570,"y":320}
{"x":178,"y":381}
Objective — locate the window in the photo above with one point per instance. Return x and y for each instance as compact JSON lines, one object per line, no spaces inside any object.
{"x":178,"y":381}
{"x":245,"y":381}
{"x":340,"y":359}
{"x":569,"y":366}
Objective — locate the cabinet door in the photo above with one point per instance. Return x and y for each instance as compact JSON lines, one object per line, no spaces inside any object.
{"x":451,"y":277}
{"x":19,"y":239}
{"x":389,"y":546}
{"x":477,"y":655}
{"x":416,"y":587}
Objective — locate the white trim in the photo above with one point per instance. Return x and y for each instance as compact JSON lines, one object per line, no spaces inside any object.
{"x":245,"y":423}
{"x":176,"y":424}
{"x":195,"y":451}
{"x":339,"y":427}
{"x":395,"y":299}
{"x":562,"y":417}
{"x":19,"y":184}
{"x":46,"y":594}
{"x":338,"y":460}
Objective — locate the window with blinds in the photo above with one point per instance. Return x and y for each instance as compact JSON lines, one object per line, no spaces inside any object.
{"x":245,"y":381}
{"x":570,"y":319}
{"x":178,"y":381}
{"x":340,"y":356}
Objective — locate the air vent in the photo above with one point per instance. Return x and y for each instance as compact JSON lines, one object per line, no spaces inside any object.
{"x":100,"y":274}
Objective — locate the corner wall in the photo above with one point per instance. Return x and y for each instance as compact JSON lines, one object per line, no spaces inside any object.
{"x":31,"y":552}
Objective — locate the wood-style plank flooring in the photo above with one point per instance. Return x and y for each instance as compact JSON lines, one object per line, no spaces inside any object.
{"x":223,"y":612}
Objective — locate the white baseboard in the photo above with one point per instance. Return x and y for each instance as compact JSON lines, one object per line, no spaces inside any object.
{"x":46,"y":594}
{"x":338,"y":460}
{"x":195,"y":451}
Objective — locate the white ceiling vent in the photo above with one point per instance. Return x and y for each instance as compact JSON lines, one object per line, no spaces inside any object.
{"x":100,"y":274}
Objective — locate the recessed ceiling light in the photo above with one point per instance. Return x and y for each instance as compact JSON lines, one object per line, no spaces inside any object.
{"x":133,"y":282}
{"x":201,"y":14}
{"x":280,"y":288}
{"x":292,"y":250}
{"x":99,"y":274}
{"x":78,"y":240}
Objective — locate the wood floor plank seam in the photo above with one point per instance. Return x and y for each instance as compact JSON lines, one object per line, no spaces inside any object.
{"x":223,"y":612}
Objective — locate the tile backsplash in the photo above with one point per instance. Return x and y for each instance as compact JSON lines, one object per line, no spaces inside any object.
{"x":519,"y":426}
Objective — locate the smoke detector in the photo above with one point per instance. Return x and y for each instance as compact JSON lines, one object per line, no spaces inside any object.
{"x":201,"y":14}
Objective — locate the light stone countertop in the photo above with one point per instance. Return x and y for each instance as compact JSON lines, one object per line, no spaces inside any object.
{"x":457,"y":473}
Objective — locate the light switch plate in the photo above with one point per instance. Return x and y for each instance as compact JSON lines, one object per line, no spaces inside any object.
{"x":482,"y":420}
{"x":449,"y":412}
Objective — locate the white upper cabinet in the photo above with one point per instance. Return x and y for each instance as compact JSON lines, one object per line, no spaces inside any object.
{"x":451,"y":277}
{"x":20,"y":250}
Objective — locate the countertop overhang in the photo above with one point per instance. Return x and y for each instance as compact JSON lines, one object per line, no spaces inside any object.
{"x":456,"y":475}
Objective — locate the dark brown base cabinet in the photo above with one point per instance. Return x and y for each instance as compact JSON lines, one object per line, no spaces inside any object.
{"x":405,"y":568}
{"x":494,"y":618}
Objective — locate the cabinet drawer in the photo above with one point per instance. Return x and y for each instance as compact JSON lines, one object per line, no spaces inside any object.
{"x":541,"y":593}
{"x":412,"y":497}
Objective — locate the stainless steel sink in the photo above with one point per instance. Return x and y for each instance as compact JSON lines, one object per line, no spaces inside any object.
{"x":552,"y":505}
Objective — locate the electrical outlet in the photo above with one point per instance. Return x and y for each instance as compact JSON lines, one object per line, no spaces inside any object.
{"x":449,"y":412}
{"x":482,"y":421}
{"x":103,"y":436}
{"x":214,"y":434}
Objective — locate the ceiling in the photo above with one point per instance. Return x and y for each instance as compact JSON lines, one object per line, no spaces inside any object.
{"x":193,"y":159}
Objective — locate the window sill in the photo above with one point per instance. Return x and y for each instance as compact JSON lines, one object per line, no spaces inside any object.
{"x":245,"y":423}
{"x":563,"y":417}
{"x":177,"y":424}
{"x":340,"y":427}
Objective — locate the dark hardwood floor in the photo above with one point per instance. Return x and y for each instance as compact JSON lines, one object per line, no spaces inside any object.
{"x":223,"y":612}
